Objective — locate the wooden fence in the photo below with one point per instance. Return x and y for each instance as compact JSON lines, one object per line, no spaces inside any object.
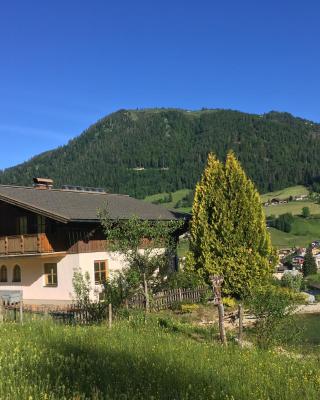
{"x":95,"y":312}
{"x":168,"y":298}
{"x":71,"y":314}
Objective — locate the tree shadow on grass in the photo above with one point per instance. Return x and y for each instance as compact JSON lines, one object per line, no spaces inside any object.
{"x":120,"y":374}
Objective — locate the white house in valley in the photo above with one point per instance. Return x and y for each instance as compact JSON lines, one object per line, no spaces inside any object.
{"x":46,"y":234}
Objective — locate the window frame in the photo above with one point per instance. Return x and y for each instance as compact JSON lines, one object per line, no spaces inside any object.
{"x":17,"y":267}
{"x":52,"y":275}
{"x":100,"y":271}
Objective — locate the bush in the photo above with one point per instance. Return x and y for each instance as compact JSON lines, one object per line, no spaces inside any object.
{"x":229,"y":302}
{"x":317,"y":298}
{"x":189,"y":308}
{"x":273,"y":308}
{"x":95,"y":311}
{"x":294,"y":282}
{"x":306,"y":212}
{"x":184,"y":279}
{"x":121,"y":287}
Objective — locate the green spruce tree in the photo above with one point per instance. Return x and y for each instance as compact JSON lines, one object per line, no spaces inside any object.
{"x":228,"y":229}
{"x":309,"y":265}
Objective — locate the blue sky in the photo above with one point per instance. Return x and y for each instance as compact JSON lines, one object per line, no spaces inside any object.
{"x":65,"y":64}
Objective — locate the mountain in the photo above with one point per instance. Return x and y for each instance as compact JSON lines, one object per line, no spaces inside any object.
{"x":141,"y":152}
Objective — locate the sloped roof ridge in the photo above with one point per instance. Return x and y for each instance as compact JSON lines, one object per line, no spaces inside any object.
{"x":59,"y":190}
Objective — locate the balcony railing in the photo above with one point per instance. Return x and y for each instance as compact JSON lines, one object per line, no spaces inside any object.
{"x":25,"y":244}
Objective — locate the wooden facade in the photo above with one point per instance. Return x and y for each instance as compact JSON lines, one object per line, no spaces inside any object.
{"x":23,"y":232}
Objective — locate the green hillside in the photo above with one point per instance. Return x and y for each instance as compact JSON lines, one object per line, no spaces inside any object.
{"x":176,"y":197}
{"x":285,"y":193}
{"x":143,"y":152}
{"x":303,"y":232}
{"x":294,"y":207}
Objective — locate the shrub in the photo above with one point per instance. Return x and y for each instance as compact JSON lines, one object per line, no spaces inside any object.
{"x":294,"y":282}
{"x":95,"y":311}
{"x":189,"y":308}
{"x":273,"y":308}
{"x":317,"y":297}
{"x":184,"y":279}
{"x":229,"y":302}
{"x":306,"y":212}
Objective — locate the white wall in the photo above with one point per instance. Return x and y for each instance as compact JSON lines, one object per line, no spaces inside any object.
{"x":32,"y":275}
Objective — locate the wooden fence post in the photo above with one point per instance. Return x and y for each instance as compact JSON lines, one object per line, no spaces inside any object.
{"x":240,"y":311}
{"x":110,"y":316}
{"x":1,"y":310}
{"x":21,"y":312}
{"x":146,"y":293}
{"x":223,"y":337}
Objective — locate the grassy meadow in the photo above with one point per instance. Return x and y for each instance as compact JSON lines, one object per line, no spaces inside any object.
{"x":176,"y":196}
{"x":134,"y":360}
{"x":303,"y":232}
{"x":294,"y":207}
{"x":285,"y":193}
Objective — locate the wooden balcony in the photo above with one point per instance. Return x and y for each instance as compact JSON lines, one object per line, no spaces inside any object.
{"x":25,"y":244}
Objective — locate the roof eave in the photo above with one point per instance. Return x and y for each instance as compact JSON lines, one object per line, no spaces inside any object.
{"x":33,"y":209}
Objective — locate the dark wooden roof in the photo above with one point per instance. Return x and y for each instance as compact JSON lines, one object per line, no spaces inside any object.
{"x":68,"y":205}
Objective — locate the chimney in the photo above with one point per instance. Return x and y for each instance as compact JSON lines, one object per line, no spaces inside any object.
{"x":42,"y":183}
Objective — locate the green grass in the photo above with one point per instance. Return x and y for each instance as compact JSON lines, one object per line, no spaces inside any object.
{"x":294,"y":207}
{"x":183,"y":247}
{"x":143,"y":361}
{"x":314,"y":278}
{"x":176,"y":196}
{"x":304,"y":231}
{"x":285,"y":193}
{"x":310,"y":336}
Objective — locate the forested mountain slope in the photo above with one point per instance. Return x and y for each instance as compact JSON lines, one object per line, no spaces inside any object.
{"x":161,"y":150}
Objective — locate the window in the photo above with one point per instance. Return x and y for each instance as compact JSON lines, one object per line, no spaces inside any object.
{"x":22,"y":225}
{"x":16,"y":274}
{"x":41,"y":223}
{"x":100,"y":272}
{"x":3,"y":274}
{"x":50,"y":274}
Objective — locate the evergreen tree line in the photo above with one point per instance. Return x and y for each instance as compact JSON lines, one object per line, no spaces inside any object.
{"x":144,"y":152}
{"x":283,"y":222}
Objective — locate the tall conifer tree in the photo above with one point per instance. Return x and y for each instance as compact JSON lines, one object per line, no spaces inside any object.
{"x":309,"y":265}
{"x":228,"y":230}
